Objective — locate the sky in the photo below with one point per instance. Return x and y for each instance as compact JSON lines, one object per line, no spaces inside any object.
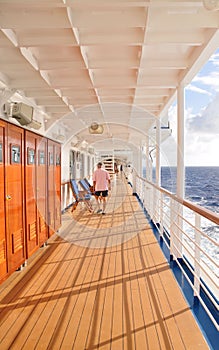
{"x":201,"y":119}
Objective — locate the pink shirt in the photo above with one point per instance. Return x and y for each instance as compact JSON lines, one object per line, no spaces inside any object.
{"x":101,"y":177}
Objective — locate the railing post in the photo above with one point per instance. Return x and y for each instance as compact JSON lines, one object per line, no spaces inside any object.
{"x":133,"y":182}
{"x":179,"y":230}
{"x":141,"y":189}
{"x":172,"y":224}
{"x":153,"y":204}
{"x":197,"y":257}
{"x":157,"y":207}
{"x":147,"y":191}
{"x":175,"y":233}
{"x":143,"y":192}
{"x":161,"y":216}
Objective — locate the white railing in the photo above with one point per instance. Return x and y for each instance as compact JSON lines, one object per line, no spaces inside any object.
{"x":185,"y":227}
{"x":66,"y":195}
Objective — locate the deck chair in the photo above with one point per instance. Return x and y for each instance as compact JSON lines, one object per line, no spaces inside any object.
{"x":85,"y":180}
{"x":86,"y":186}
{"x":80,"y":196}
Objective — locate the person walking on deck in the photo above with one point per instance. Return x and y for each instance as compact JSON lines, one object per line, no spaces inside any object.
{"x":101,"y":183}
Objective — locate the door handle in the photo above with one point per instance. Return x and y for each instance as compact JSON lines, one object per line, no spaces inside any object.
{"x":8,"y":197}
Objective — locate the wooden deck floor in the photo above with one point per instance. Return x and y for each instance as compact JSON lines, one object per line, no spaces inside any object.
{"x":101,"y":283}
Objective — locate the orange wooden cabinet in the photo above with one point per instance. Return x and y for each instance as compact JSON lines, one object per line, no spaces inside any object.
{"x":30,"y":194}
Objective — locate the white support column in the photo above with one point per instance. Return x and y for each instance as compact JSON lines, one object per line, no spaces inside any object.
{"x":156,"y":195}
{"x":180,"y":190}
{"x":158,"y":138}
{"x":136,"y":162}
{"x":148,"y":161}
{"x":180,"y":181}
{"x":147,"y":158}
{"x":141,"y":162}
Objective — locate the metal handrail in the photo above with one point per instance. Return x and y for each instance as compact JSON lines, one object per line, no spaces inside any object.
{"x":166,"y":210}
{"x":195,"y":207}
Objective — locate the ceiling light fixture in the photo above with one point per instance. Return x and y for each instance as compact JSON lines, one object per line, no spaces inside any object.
{"x":96,"y":128}
{"x":211,"y":5}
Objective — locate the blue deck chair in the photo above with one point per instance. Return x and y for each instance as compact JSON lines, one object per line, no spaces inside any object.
{"x":80,"y":196}
{"x":86,"y":186}
{"x":89,"y":185}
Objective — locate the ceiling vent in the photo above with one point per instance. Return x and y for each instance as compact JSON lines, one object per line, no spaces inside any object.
{"x":96,"y":128}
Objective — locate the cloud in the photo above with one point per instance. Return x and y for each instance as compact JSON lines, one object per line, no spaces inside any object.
{"x":194,"y":88}
{"x":211,"y":80}
{"x":201,"y":150}
{"x":207,"y":122}
{"x":201,"y":136}
{"x":201,"y":120}
{"x":215,"y":59}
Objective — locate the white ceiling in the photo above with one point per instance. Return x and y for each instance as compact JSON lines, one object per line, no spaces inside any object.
{"x":117,"y":62}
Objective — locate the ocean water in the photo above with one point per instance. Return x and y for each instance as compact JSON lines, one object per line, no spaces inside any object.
{"x":202,"y":188}
{"x":201,"y":185}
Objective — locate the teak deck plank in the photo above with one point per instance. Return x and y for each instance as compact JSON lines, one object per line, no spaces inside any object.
{"x":117,"y":319}
{"x":101,"y":283}
{"x":21,"y":314}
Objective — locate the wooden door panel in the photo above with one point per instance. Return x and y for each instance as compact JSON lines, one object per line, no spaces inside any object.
{"x":3,"y":238}
{"x":57,"y":186}
{"x":42,"y":197}
{"x":15,"y":197}
{"x":32,"y":237}
{"x":51,"y":187}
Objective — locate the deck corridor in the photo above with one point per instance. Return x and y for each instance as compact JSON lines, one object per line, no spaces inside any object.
{"x":101,"y":283}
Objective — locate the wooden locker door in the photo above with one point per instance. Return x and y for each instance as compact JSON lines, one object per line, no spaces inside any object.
{"x":42,"y":195}
{"x":57,"y":186}
{"x":3,"y":238}
{"x":15,"y":197}
{"x":32,"y":236}
{"x":51,"y":186}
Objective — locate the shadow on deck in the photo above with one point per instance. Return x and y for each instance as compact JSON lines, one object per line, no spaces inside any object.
{"x":101,"y":283}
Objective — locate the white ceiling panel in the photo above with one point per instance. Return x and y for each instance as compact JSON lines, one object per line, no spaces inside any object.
{"x":107,"y":61}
